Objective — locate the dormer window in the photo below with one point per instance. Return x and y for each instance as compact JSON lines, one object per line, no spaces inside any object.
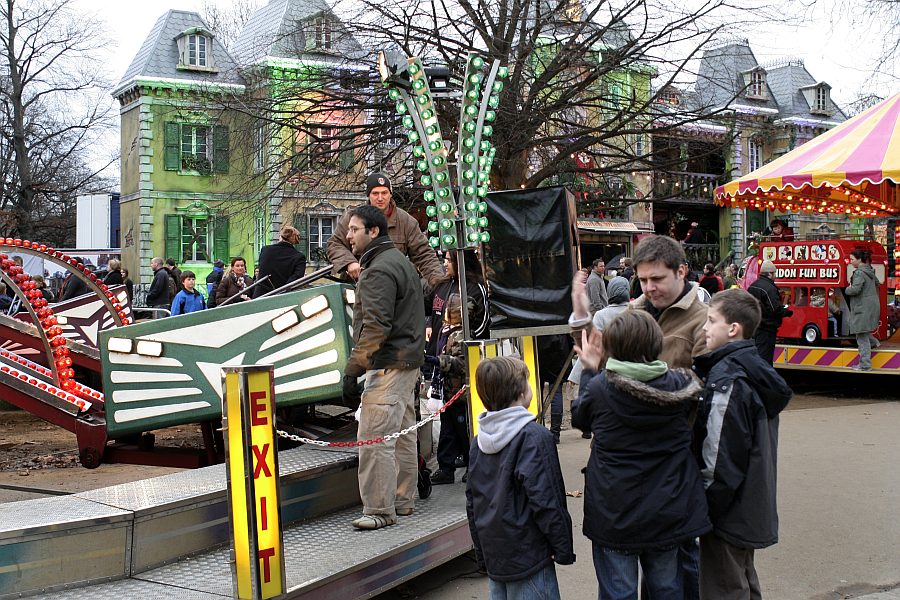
{"x":319,"y":33}
{"x":755,"y":81}
{"x":195,"y":50}
{"x":819,"y":98}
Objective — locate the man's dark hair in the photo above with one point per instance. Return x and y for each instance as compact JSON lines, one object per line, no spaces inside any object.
{"x":633,"y":336}
{"x":170,"y":261}
{"x":709,"y":269}
{"x":738,"y":306}
{"x":596,"y":262}
{"x":659,"y":248}
{"x":500,"y":381}
{"x":371,"y":217}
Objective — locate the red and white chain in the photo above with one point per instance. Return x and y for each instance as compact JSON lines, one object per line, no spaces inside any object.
{"x":378,"y":440}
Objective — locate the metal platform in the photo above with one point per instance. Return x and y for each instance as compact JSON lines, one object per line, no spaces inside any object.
{"x":167,"y":537}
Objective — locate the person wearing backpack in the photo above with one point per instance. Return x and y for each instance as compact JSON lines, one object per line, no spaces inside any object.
{"x":188,"y":299}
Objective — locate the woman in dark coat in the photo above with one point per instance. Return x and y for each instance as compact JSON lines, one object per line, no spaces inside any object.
{"x":234,"y":281}
{"x":865,"y":309}
{"x":114,"y":277}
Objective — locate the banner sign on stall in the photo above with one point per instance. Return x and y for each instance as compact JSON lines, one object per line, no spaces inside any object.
{"x":248,"y":409}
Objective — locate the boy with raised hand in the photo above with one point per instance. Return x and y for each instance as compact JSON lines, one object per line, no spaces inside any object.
{"x":515,"y":497}
{"x":738,"y":431}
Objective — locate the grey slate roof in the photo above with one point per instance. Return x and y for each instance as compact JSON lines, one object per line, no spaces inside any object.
{"x":158,"y":56}
{"x":276,"y":30}
{"x":720,"y":79}
{"x":785,"y":82}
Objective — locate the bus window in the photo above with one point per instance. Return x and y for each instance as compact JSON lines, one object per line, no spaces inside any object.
{"x":817,"y":297}
{"x":785,"y":294}
{"x":801,"y":296}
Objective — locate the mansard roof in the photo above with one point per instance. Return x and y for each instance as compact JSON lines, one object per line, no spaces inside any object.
{"x":158,"y":57}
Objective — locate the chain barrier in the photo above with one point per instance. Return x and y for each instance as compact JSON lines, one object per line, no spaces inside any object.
{"x":378,"y":440}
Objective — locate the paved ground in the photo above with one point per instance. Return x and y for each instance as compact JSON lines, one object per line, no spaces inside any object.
{"x":839,"y":502}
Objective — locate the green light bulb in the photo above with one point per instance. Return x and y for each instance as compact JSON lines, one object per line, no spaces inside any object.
{"x":446,"y":223}
{"x":471,"y":205}
{"x":449,"y":240}
{"x":428,"y":195}
{"x":437,"y":161}
{"x":430,"y":130}
{"x":497,"y":87}
{"x":394,"y":94}
{"x":472,"y":94}
{"x":483,"y":177}
{"x":445,"y":207}
{"x":477,"y":62}
{"x":418,"y":151}
{"x":482,"y":160}
{"x":431,"y":210}
{"x":432,"y":227}
{"x":469,"y":190}
{"x":475,"y":78}
{"x":471,"y":221}
{"x":469,"y":158}
{"x":468,"y":174}
{"x":413,"y":69}
{"x":470,"y":127}
{"x":401,"y":108}
{"x":408,"y":122}
{"x":494,"y":101}
{"x":427,"y":114}
{"x":482,"y":206}
{"x":485,"y":237}
{"x":443,"y":193}
{"x":487,"y":131}
{"x":418,"y":84}
{"x":469,"y":142}
{"x":485,"y":146}
{"x":422,"y":165}
{"x":434,"y":242}
{"x":423,"y":99}
{"x":435,"y":145}
{"x":426,"y":180}
{"x":441,"y":176}
{"x":490,"y":115}
{"x":503,"y":72}
{"x":472,"y":110}
{"x":473,"y":236}
{"x":482,"y":222}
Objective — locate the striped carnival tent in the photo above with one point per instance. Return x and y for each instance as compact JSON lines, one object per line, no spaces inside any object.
{"x":852,"y":169}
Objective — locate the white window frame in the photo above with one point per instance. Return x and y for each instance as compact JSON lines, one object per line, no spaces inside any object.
{"x":189,"y":245}
{"x":316,"y":233}
{"x":822,"y":99}
{"x":757,"y":86}
{"x":261,"y":146}
{"x":197,"y":50}
{"x":754,"y":155}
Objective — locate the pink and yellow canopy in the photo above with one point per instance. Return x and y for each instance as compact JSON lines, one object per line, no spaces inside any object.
{"x":853,"y":169}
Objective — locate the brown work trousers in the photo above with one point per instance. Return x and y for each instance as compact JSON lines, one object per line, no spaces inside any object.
{"x":726,"y":572}
{"x":388,"y":471}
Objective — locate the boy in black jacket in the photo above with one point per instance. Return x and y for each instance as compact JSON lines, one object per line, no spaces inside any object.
{"x":515,"y":497}
{"x":738,"y":429}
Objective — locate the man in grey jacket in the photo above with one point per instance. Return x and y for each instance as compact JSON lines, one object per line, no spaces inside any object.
{"x":596,"y":286}
{"x":389,"y":349}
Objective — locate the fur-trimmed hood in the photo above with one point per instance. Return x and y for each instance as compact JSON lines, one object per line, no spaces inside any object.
{"x":650,"y":405}
{"x":654,"y":395}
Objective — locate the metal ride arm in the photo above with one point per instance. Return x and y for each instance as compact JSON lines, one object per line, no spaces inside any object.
{"x":245,"y":290}
{"x":298,"y":283}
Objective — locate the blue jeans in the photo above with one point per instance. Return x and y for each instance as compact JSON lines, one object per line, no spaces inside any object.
{"x":540,"y":586}
{"x":617,"y":573}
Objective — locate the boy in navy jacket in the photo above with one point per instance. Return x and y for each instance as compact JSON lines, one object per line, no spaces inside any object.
{"x":738,"y":429}
{"x":515,"y":497}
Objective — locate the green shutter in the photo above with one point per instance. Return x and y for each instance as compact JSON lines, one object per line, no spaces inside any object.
{"x":172,"y":154}
{"x":220,"y":149}
{"x":301,"y":222}
{"x":220,"y":240}
{"x":173,"y":237}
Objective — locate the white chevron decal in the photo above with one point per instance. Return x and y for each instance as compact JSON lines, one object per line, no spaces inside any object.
{"x":217,"y":333}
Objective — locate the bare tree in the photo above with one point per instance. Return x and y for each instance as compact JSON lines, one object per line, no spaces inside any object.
{"x":227,"y":21}
{"x":588,"y":86}
{"x":53,"y":108}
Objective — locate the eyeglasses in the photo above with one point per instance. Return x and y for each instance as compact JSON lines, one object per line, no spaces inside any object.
{"x":354,"y":229}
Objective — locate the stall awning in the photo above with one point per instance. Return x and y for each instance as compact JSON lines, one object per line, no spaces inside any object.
{"x":852,"y":169}
{"x":608,"y":226}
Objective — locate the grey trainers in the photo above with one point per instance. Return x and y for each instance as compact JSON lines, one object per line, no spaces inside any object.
{"x":369,"y":522}
{"x":860,"y":368}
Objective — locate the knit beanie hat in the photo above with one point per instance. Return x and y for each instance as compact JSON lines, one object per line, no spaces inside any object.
{"x":767,"y":267}
{"x":377,"y":180}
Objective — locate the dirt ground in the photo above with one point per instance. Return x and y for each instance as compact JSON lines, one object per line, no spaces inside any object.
{"x":38,"y":459}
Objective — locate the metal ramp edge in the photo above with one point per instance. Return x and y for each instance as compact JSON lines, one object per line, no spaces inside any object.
{"x":325,"y":558}
{"x":121,"y":531}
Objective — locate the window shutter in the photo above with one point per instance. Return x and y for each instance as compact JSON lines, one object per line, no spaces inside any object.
{"x":172,"y":153}
{"x":346,"y":158}
{"x":301,"y":223}
{"x":173,"y":237}
{"x":220,"y":149}
{"x":220,"y":240}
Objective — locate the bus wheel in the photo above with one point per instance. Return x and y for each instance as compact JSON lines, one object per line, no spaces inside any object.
{"x":811,"y":334}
